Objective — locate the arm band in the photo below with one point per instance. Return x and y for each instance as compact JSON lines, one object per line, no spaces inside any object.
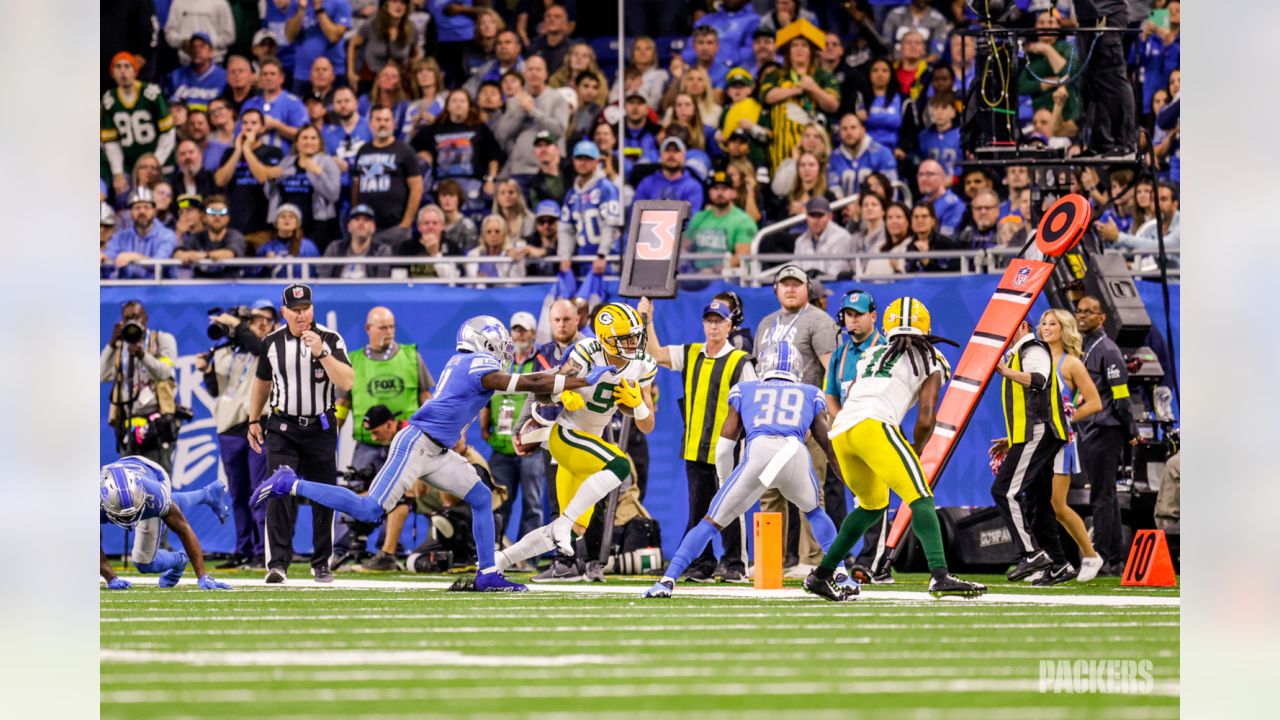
{"x":642,"y":411}
{"x":341,"y":412}
{"x":558,"y":387}
{"x":511,"y":384}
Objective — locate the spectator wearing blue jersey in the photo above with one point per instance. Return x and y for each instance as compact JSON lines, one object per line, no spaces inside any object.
{"x":222,"y":131}
{"x":706,"y":55}
{"x":734,"y":22}
{"x":934,"y":183}
{"x":345,"y":134}
{"x":764,"y":51}
{"x":1169,"y":122}
{"x":455,"y":28}
{"x":316,"y":28}
{"x":283,"y":112}
{"x":201,"y":81}
{"x":288,"y":240}
{"x":145,"y":239}
{"x":640,"y":131}
{"x":857,"y":156}
{"x":880,"y":107}
{"x":1159,"y":52}
{"x":941,"y":140}
{"x":591,"y":218}
{"x":671,"y":182}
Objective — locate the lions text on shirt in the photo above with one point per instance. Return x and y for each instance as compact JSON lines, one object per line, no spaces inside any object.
{"x":458,"y":397}
{"x":885,"y":392}
{"x":776,"y":408}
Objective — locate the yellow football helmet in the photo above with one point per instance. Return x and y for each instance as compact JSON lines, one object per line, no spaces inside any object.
{"x":907,"y":315}
{"x":620,"y":330}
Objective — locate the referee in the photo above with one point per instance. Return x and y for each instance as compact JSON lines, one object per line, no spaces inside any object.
{"x":710,"y":369}
{"x":301,"y":367}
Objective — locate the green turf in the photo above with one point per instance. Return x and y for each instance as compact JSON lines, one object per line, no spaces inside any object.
{"x":302,"y":651}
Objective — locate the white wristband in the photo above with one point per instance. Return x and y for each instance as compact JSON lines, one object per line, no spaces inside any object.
{"x":558,"y":386}
{"x":511,"y":384}
{"x":642,"y":411}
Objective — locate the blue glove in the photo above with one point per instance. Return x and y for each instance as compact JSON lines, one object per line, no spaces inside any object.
{"x":118,"y":583}
{"x":207,"y":582}
{"x":599,"y":371}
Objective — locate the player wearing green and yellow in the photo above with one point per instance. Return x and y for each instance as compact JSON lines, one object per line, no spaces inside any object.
{"x":135,"y":121}
{"x":591,"y":467}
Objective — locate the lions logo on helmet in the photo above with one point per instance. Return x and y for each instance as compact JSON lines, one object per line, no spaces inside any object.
{"x":907,"y":315}
{"x":485,"y":333}
{"x":781,"y":362}
{"x":121,"y":495}
{"x":621,"y":331}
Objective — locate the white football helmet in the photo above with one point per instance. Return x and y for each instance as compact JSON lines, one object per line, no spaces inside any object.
{"x":121,"y":495}
{"x":487,"y":334}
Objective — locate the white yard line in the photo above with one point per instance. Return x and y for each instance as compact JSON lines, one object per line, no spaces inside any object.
{"x":355,"y":658}
{"x":1054,"y":596}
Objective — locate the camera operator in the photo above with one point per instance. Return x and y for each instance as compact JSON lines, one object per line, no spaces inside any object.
{"x":228,"y":370}
{"x":139,"y":363}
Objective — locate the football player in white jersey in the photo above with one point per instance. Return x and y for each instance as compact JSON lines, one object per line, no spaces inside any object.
{"x":590,"y":467}
{"x":874,"y":455}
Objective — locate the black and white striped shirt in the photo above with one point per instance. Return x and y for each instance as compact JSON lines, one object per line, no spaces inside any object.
{"x":299,"y":383}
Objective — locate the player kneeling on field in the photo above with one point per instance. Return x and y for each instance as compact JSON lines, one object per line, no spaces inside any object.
{"x":134,"y":493}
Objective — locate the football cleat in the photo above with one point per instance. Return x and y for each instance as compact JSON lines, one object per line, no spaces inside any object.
{"x":495,"y":582}
{"x":660,"y":589}
{"x":698,"y":575}
{"x":281,"y":483}
{"x":561,"y":535}
{"x":594,"y":572}
{"x":884,"y":578}
{"x":951,"y":585}
{"x":1039,"y":560}
{"x":1089,"y":568}
{"x":559,"y":571}
{"x":276,"y":576}
{"x":826,"y":589}
{"x":463,"y":584}
{"x":1056,"y":575}
{"x":850,"y":585}
{"x":170,"y":577}
{"x":382,"y":562}
{"x":215,"y":496}
{"x":732,"y":574}
{"x":322,"y":574}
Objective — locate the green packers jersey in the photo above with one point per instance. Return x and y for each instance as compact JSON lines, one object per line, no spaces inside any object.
{"x":136,"y":127}
{"x":593,"y":418}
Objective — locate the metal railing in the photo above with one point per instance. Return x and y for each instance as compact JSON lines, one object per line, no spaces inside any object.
{"x":748,"y":271}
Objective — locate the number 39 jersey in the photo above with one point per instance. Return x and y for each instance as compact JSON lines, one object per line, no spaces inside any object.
{"x":600,"y":407}
{"x":776,"y":407}
{"x":885,"y":391}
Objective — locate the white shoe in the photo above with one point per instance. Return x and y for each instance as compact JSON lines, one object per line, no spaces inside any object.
{"x":560,"y":535}
{"x":1089,"y":568}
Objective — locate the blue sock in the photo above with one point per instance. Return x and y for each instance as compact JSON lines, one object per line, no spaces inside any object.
{"x":365,"y":509}
{"x":824,"y":531}
{"x":164,"y":560}
{"x":481,"y":502}
{"x":690,"y":548}
{"x":188,"y":501}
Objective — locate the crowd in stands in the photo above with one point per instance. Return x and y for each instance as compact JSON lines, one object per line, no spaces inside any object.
{"x":490,"y":130}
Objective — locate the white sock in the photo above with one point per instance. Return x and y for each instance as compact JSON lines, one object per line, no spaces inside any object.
{"x":593,"y":488}
{"x":531,"y":545}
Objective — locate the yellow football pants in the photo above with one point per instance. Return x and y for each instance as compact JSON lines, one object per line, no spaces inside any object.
{"x":875,"y":458}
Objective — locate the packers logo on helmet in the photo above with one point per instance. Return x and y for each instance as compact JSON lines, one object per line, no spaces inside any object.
{"x":907,"y":315}
{"x":619,"y":329}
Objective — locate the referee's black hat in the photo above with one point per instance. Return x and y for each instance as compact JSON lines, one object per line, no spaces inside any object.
{"x":297,"y":296}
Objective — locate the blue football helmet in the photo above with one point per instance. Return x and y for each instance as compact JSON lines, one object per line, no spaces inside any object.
{"x":487,"y":334}
{"x":781,"y":361}
{"x":121,"y":495}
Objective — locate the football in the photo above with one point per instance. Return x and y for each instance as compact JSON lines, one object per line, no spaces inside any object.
{"x":530,"y":426}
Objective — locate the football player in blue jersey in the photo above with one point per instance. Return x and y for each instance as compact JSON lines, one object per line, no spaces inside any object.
{"x":591,"y":217}
{"x":776,"y":411}
{"x":135,"y":493}
{"x":423,"y":449}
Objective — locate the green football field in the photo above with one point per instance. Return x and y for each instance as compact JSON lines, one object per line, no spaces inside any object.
{"x":398,"y":645}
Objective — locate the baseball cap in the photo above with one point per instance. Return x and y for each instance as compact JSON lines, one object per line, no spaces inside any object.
{"x":859,"y":301}
{"x":586,"y":148}
{"x":297,"y":295}
{"x":719,"y":177}
{"x":547,"y":208}
{"x":635,"y":95}
{"x":739,"y":76}
{"x":141,"y":195}
{"x":202,"y":36}
{"x":717,"y":307}
{"x":674,"y":141}
{"x":740,"y":134}
{"x":525,"y":320}
{"x":817,"y":205}
{"x":817,"y":290}
{"x":378,"y":415}
{"x":265,"y":305}
{"x":108,"y":216}
{"x":264,"y":35}
{"x":791,"y":271}
{"x":187,"y":201}
{"x":362,"y":209}
{"x":544,"y":136}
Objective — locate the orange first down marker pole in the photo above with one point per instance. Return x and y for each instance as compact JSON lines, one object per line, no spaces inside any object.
{"x":768,"y":551}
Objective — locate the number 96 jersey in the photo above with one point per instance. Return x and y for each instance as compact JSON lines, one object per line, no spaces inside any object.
{"x":600,"y":406}
{"x":776,"y":407}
